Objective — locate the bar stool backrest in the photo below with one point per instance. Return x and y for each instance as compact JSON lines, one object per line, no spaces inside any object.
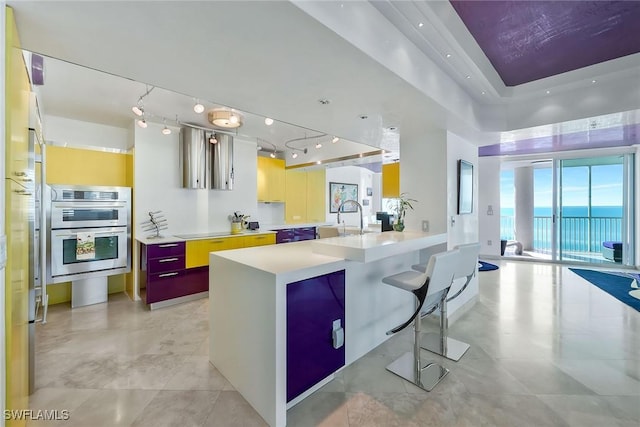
{"x":441,"y":270}
{"x":467,"y":260}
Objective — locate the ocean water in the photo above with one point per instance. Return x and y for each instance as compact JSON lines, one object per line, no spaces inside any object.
{"x":573,"y":211}
{"x":579,"y":233}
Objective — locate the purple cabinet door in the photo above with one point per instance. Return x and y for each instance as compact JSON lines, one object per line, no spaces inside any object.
{"x":285,"y":235}
{"x":305,"y":233}
{"x":312,"y":306}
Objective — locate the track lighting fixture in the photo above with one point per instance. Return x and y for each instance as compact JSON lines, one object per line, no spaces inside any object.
{"x":318,"y":145}
{"x":165,"y":130}
{"x":304,"y":150}
{"x":294,"y":155}
{"x":138,"y":109}
{"x":335,"y":139}
{"x":261,"y":143}
{"x":268,"y":121}
{"x":142,"y":122}
{"x":213,"y":139}
{"x":198,"y":107}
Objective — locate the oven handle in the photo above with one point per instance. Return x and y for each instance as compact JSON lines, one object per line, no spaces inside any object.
{"x":96,"y":205}
{"x":112,"y":233}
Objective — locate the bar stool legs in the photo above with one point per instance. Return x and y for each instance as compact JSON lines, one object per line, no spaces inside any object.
{"x":440,"y":343}
{"x":409,"y":365}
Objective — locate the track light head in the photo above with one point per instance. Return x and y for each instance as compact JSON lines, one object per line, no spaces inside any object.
{"x":198,"y":107}
{"x":138,"y":110}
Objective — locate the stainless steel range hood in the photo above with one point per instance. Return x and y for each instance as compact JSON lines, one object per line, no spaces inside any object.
{"x":194,"y":158}
{"x":222,"y":163}
{"x":204,"y":164}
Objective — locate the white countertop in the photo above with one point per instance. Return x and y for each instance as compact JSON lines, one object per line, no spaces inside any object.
{"x":281,"y":259}
{"x":370,"y":247}
{"x":198,"y":236}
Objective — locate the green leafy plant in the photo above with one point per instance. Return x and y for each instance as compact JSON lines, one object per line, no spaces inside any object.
{"x":400,"y":206}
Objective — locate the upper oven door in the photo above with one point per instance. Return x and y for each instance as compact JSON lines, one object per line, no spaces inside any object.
{"x":88,"y":214}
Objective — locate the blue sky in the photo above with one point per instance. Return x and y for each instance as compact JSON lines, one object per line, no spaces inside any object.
{"x":606,"y":184}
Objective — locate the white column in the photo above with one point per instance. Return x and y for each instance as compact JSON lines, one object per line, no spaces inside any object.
{"x":523,"y":182}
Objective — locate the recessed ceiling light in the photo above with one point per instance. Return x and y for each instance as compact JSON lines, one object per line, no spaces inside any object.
{"x":318,"y":162}
{"x":484,"y":93}
{"x":363,"y":117}
{"x":548,"y":92}
{"x":593,"y":81}
{"x":420,"y":24}
{"x":448,"y":55}
{"x":324,"y":101}
{"x":467,"y":76}
{"x":392,"y":128}
{"x":268,"y":121}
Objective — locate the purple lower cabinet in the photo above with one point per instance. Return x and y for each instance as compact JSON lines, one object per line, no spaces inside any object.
{"x":312,"y":307}
{"x":305,"y":233}
{"x":174,"y":284}
{"x":285,"y":235}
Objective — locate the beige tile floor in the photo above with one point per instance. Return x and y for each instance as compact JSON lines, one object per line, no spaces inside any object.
{"x":548,"y":349}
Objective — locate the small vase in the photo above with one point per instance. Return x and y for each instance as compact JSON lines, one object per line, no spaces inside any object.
{"x":398,"y":226}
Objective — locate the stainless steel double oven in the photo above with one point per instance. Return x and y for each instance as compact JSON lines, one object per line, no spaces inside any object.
{"x":102,"y":214}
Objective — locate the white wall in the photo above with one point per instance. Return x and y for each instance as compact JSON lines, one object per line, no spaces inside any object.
{"x":489,"y":195}
{"x":60,"y":131}
{"x":270,"y":213}
{"x":351,"y":175}
{"x":423,"y":176}
{"x":464,"y":228}
{"x":157,"y":185}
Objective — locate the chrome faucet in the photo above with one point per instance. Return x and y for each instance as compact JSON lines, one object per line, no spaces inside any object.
{"x":359,"y":208}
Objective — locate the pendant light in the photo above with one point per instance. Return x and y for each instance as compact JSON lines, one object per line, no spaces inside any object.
{"x":165,"y":130}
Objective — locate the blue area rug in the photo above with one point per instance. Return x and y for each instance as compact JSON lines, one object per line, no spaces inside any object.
{"x":617,"y":285}
{"x":485,"y":266}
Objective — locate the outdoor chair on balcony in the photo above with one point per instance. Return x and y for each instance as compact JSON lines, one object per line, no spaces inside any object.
{"x":612,"y":251}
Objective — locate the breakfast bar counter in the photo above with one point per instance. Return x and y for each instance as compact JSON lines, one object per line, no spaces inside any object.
{"x":284,"y":318}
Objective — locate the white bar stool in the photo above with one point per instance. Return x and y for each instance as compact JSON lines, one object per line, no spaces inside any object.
{"x":441,"y":343}
{"x":428,"y":288}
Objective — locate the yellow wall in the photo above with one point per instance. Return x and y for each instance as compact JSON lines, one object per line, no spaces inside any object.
{"x":89,"y":167}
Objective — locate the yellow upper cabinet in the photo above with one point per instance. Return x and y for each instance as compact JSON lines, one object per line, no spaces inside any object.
{"x":316,"y":197}
{"x":391,"y":180}
{"x":295,"y":208}
{"x":271,"y":179}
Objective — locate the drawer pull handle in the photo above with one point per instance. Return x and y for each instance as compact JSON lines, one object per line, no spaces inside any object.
{"x":168,"y":260}
{"x":168,"y":274}
{"x":168,"y":245}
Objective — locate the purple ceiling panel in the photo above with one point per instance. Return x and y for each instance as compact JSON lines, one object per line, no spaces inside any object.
{"x":531,"y":40}
{"x":598,"y":138}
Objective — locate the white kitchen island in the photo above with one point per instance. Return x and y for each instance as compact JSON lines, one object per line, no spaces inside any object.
{"x":249,"y":305}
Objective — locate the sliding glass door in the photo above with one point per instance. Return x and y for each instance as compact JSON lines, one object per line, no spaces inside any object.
{"x":593,"y":209}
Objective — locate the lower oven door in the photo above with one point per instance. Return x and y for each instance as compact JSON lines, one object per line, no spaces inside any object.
{"x":87,"y":250}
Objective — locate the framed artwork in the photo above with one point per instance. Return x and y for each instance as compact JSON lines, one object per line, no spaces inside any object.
{"x":369,"y":191}
{"x":365,"y":202}
{"x":340,"y":192}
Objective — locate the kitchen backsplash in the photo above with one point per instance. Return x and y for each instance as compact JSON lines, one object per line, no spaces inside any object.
{"x":270,"y":213}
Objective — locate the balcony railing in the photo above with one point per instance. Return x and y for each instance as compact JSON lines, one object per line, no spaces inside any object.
{"x":578,"y":234}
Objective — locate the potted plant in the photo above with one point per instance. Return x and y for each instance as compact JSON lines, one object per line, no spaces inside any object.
{"x":400,"y":207}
